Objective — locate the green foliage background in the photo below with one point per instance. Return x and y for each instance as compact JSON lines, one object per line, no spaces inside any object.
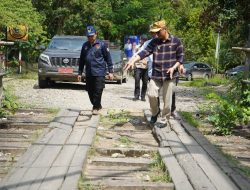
{"x":195,"y":22}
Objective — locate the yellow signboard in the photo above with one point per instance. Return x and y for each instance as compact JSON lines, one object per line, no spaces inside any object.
{"x":17,"y":33}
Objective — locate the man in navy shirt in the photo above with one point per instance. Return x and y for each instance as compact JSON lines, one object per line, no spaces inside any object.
{"x":94,"y":57}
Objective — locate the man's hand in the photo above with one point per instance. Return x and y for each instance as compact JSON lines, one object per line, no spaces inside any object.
{"x":171,"y":71}
{"x":181,"y":69}
{"x":111,"y":76}
{"x":131,"y":62}
{"x":129,"y":65}
{"x":79,"y":78}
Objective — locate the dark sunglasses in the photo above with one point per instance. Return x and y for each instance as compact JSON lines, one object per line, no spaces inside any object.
{"x":159,"y":31}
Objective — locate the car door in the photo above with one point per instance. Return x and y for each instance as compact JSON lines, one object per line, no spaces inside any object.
{"x":196,"y":70}
{"x":206,"y":71}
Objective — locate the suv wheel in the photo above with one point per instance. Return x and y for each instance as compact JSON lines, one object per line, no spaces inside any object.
{"x":119,"y":81}
{"x":189,"y":78}
{"x":124,"y":80}
{"x":42,"y":83}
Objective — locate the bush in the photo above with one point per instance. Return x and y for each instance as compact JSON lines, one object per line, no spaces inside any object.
{"x":230,"y":110}
{"x":9,"y":103}
{"x":225,"y":117}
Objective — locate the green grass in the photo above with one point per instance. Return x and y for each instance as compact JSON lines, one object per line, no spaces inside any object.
{"x":115,"y":116}
{"x":9,"y":102}
{"x":233,"y":160}
{"x":216,"y":80}
{"x":25,"y":74}
{"x":84,"y":184}
{"x":126,"y":141}
{"x":91,"y":152}
{"x":188,"y":117}
{"x":30,"y":75}
{"x":158,"y":170}
{"x":28,"y":106}
{"x":36,"y":135}
{"x":195,"y":83}
{"x":53,"y":110}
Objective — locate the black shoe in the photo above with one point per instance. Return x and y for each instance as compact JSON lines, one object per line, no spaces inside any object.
{"x":154,"y":118}
{"x":135,"y":98}
{"x":143,"y":99}
{"x":96,"y":108}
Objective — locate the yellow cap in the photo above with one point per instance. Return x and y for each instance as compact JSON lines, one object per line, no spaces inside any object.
{"x":157,"y":26}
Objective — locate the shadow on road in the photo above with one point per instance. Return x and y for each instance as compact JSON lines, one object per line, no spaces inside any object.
{"x":65,"y":85}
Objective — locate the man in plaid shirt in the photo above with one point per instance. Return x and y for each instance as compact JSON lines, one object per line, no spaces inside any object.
{"x":168,"y":55}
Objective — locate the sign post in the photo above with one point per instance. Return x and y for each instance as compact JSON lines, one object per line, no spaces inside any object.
{"x":18,"y":33}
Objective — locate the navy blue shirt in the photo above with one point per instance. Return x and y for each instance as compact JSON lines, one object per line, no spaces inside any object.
{"x":95,"y":57}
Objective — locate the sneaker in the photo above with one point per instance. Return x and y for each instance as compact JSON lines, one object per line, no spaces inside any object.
{"x":175,"y":115}
{"x":95,"y":112}
{"x":143,"y":99}
{"x":154,"y":118}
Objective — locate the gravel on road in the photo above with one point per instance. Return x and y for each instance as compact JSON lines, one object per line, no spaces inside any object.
{"x":74,"y":95}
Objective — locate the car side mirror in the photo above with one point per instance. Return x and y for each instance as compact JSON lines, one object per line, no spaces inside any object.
{"x":41,"y":47}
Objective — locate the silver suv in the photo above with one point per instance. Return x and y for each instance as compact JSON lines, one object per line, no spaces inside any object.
{"x":59,"y":62}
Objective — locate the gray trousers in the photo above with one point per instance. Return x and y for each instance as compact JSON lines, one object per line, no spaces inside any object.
{"x":154,"y":88}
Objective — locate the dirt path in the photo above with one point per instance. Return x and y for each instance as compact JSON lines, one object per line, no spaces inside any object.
{"x":65,"y":95}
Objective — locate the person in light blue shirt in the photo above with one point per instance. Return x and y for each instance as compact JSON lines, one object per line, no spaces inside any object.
{"x":128,"y":49}
{"x":150,"y":58}
{"x":141,"y":74}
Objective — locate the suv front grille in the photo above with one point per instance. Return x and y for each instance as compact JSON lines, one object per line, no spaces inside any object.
{"x":62,"y":62}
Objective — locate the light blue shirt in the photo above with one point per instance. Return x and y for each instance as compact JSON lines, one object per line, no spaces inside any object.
{"x":150,"y":58}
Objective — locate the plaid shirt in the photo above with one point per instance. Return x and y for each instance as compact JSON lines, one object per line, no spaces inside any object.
{"x":165,"y":55}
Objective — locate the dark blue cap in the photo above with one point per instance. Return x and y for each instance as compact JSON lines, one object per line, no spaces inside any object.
{"x":90,"y":31}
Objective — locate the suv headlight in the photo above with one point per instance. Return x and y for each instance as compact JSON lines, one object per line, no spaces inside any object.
{"x":117,"y":66}
{"x":45,"y":58}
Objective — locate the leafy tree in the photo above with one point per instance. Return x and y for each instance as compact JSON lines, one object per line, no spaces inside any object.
{"x":65,"y":16}
{"x":195,"y":22}
{"x":14,"y":12}
{"x":231,"y":19}
{"x":21,"y":12}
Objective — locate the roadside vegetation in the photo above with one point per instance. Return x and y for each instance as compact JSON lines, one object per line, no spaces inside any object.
{"x":26,"y":74}
{"x":9,"y":103}
{"x":227,"y":110}
{"x":233,"y":160}
{"x":116,"y":117}
{"x":217,"y":80}
{"x":230,"y":109}
{"x":158,"y":169}
{"x":188,"y":117}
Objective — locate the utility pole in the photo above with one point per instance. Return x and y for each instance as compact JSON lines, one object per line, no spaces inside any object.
{"x":217,"y":51}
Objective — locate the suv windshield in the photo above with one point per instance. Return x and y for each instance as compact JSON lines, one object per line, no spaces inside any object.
{"x":115,"y":55}
{"x":66,"y":44}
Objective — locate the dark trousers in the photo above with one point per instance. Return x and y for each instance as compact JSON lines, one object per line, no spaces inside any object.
{"x":141,"y":74}
{"x":173,"y":106}
{"x":95,"y":86}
